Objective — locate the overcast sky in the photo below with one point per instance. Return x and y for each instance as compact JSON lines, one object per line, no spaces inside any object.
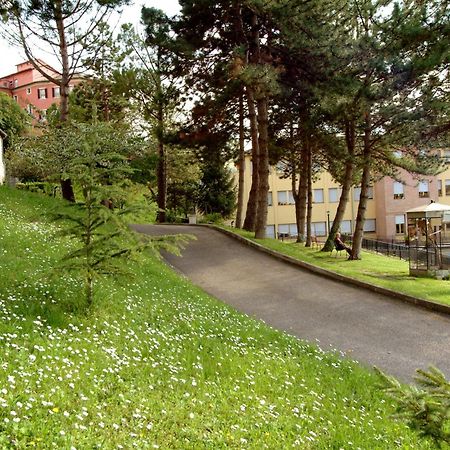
{"x":10,"y":56}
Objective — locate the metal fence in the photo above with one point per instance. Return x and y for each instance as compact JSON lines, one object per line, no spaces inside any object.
{"x":387,"y":248}
{"x":419,"y":256}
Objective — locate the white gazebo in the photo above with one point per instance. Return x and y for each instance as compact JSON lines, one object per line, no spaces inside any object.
{"x":427,"y":235}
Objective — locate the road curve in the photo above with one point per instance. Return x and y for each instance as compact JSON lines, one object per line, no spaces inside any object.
{"x":368,"y":327}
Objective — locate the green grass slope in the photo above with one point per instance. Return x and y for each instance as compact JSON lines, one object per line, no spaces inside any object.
{"x":156,"y":363}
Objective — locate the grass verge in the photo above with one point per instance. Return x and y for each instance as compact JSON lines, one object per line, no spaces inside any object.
{"x":385,"y":271}
{"x":156,"y":363}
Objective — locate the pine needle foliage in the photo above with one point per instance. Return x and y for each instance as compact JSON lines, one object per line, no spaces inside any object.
{"x":425,"y":408}
{"x":96,"y":225}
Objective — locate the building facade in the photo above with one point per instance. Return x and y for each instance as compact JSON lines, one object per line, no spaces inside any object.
{"x":31,"y":90}
{"x":386,"y":208}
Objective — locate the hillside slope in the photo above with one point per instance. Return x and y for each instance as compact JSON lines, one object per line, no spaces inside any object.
{"x":156,"y":363}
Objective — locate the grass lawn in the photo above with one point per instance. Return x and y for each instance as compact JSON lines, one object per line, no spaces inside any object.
{"x":156,"y":363}
{"x":385,"y":271}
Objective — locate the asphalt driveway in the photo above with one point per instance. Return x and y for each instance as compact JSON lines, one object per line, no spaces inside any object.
{"x":368,"y":327}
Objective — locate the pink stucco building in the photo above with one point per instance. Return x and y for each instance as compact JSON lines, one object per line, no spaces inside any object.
{"x":31,"y":90}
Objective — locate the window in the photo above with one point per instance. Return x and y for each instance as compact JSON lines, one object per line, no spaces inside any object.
{"x":287,"y":229}
{"x":16,"y":83}
{"x":56,"y":92}
{"x":270,"y":231}
{"x":282,"y":197}
{"x":398,"y":190}
{"x":439,"y":188}
{"x":16,"y":99}
{"x":446,"y":155}
{"x":42,"y":93}
{"x":400,"y":224}
{"x":346,"y":227}
{"x":318,"y":195}
{"x":291,"y":200}
{"x":423,"y":189}
{"x":269,"y":198}
{"x":447,"y":187}
{"x":28,"y":91}
{"x":319,"y":228}
{"x":42,"y":114}
{"x":356,"y":194}
{"x":334,"y":194}
{"x":369,"y":225}
{"x":29,"y":108}
{"x":370,"y":192}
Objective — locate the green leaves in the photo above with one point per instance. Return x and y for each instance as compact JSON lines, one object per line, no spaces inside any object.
{"x":13,"y":120}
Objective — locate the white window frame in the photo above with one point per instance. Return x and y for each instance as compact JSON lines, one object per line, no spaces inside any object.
{"x":270,"y":231}
{"x":334,"y":195}
{"x":318,"y":196}
{"x":291,"y":200}
{"x":42,"y":93}
{"x":346,"y":226}
{"x":424,"y":189}
{"x":370,"y":226}
{"x":282,"y":198}
{"x":399,"y":190}
{"x":400,"y":224}
{"x":319,"y":228}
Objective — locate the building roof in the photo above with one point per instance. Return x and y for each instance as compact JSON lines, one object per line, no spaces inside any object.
{"x":428,"y":211}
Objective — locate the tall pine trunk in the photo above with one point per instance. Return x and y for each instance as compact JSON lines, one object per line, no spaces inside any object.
{"x":346,"y":186}
{"x":310,"y":199}
{"x":66,"y":185}
{"x":161,"y":171}
{"x":365,"y":182}
{"x":241,"y":164}
{"x":300,"y":205}
{"x":252,"y":205}
{"x":263,"y":168}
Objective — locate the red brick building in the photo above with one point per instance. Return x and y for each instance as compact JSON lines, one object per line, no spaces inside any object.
{"x":31,"y":90}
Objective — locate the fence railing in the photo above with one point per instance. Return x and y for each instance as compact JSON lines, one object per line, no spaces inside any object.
{"x":417,"y":255}
{"x":387,"y":248}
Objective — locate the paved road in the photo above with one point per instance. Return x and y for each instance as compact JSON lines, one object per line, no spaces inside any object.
{"x":368,"y":327}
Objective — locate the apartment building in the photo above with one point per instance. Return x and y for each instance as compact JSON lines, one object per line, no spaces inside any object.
{"x":31,"y":90}
{"x":388,"y":202}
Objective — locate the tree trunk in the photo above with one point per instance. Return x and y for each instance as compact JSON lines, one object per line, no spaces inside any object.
{"x":252,"y":205}
{"x":67,"y":190}
{"x":300,"y":211}
{"x":161,"y":171}
{"x":263,"y":168}
{"x":310,"y":200}
{"x":66,"y":185}
{"x":162,"y":184}
{"x":365,"y":182}
{"x":241,"y":164}
{"x":346,"y":186}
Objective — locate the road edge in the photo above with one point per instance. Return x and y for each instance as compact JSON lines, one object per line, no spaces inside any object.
{"x":416,"y":301}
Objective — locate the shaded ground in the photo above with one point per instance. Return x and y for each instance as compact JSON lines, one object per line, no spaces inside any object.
{"x":368,"y":327}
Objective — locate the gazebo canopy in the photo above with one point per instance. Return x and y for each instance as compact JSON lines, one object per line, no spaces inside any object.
{"x":430,"y":211}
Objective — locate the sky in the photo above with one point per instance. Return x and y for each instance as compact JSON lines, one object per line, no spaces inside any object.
{"x":10,"y":56}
